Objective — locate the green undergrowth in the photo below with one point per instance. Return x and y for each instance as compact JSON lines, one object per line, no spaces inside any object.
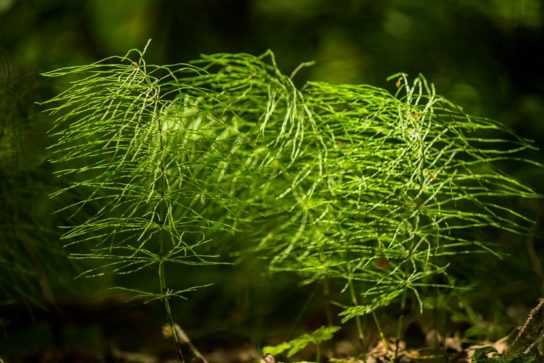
{"x":192,"y":164}
{"x":292,"y":347}
{"x":490,"y":356}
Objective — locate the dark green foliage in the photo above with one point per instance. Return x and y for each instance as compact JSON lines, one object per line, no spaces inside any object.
{"x":29,"y":250}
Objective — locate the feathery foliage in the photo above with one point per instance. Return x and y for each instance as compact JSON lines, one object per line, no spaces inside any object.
{"x":349,"y":182}
{"x":399,"y":185}
{"x":119,"y":143}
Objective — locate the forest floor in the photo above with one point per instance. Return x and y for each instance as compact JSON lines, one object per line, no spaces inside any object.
{"x":120,"y":333}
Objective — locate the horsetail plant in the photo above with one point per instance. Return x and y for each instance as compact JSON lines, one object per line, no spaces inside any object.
{"x":334,"y":182}
{"x":404,"y":181}
{"x":117,"y":143}
{"x":375,"y":189}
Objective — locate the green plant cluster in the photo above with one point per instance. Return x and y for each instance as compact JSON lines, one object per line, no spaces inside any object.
{"x":294,"y":346}
{"x":379,"y":191}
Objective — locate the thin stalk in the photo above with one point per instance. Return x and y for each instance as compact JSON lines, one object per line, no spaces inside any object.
{"x":168,"y":309}
{"x":400,"y":325}
{"x":193,"y":348}
{"x":358,"y":321}
{"x":162,"y":189}
{"x":328,"y":312}
{"x":380,"y":331}
{"x":326,"y":295}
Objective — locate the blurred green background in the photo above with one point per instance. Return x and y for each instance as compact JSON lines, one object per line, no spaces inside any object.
{"x":485,"y":55}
